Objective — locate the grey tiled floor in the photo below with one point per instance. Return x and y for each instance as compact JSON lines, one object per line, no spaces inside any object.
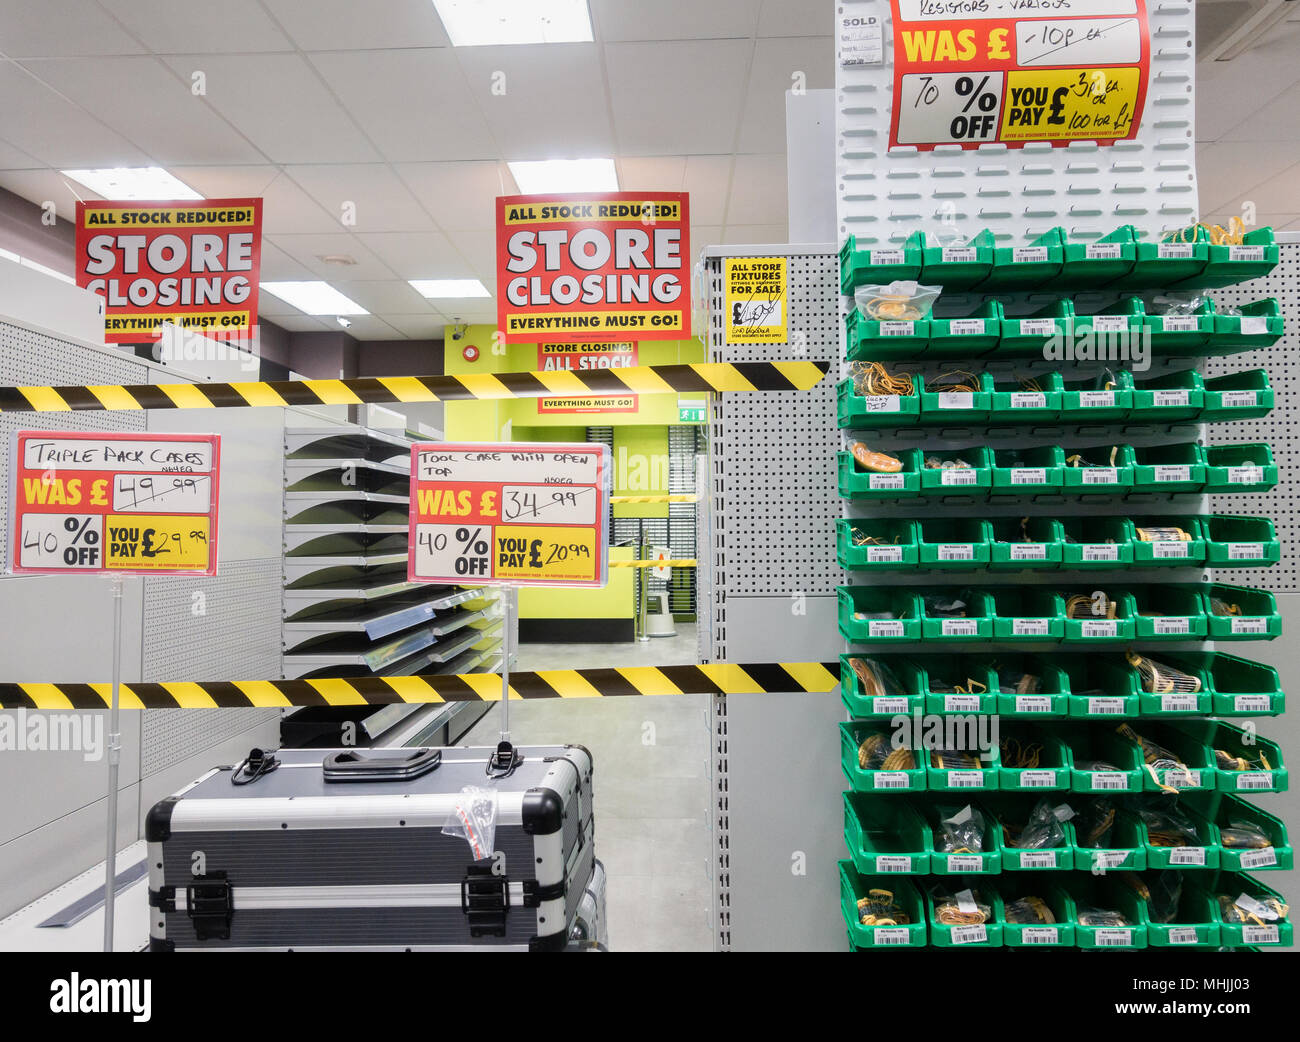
{"x":651,"y":789}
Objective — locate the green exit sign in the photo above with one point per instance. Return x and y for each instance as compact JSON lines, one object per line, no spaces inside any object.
{"x":690,"y":411}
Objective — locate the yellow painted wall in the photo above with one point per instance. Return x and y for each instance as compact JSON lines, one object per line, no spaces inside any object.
{"x":614,"y":601}
{"x":641,"y":469}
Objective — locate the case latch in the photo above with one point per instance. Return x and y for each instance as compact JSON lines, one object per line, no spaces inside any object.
{"x":209,"y":905}
{"x":485,"y":899}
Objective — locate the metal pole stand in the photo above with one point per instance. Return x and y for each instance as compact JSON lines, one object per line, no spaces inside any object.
{"x":506,"y":758}
{"x":114,"y":759}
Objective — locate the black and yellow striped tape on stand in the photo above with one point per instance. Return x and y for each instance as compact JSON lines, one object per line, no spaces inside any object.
{"x":644,"y":379}
{"x":713,"y":679}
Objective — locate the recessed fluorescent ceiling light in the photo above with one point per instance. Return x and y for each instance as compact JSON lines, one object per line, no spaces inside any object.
{"x":314,"y":298}
{"x":476,"y":23}
{"x":454,"y":289}
{"x":565,"y":175}
{"x":133,"y":182}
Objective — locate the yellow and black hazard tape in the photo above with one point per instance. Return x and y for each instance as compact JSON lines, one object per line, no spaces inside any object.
{"x":672,"y":562}
{"x":711,"y":679}
{"x":643,"y":379}
{"x":682,"y":498}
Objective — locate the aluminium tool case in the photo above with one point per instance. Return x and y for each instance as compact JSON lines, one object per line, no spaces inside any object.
{"x":345,"y":850}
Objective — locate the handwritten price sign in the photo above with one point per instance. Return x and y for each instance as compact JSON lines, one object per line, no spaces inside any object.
{"x":130,"y":503}
{"x":510,"y":514}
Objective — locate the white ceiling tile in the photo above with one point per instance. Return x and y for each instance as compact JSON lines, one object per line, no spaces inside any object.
{"x":758,"y":191}
{"x":227,"y":182}
{"x":340,"y":25}
{"x":309,"y":249}
{"x":170,"y":27}
{"x":780,"y":65}
{"x":1279,"y":194}
{"x":415,"y":104}
{"x":280,"y":105}
{"x":708,"y":179}
{"x":379,"y":201}
{"x":300,"y":323}
{"x":278,"y":266}
{"x":741,"y":234}
{"x":459,"y":195}
{"x":479,"y":248}
{"x":542,"y":102}
{"x":470,"y":312}
{"x":14,"y":158}
{"x":651,"y":173}
{"x":145,"y":102}
{"x":369,"y":327}
{"x":61,"y":28}
{"x":287,"y":209}
{"x":1276,"y":120}
{"x":705,"y":235}
{"x":1260,"y":75}
{"x":390,"y":296}
{"x":674,"y":19}
{"x":418,"y":327}
{"x":677,"y":98}
{"x":35,"y":119}
{"x":40,"y":186}
{"x":415,"y":255}
{"x":1227,"y":171}
{"x":796,"y":18}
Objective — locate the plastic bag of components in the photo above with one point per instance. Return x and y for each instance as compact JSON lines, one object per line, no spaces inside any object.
{"x":1095,"y":822}
{"x":474,"y":819}
{"x":1167,"y":826}
{"x":902,"y":301}
{"x":1177,"y":304}
{"x":1043,"y":829}
{"x":961,"y":831}
{"x":875,"y":677}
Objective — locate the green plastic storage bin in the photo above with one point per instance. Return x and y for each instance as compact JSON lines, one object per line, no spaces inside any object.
{"x":967,"y":336}
{"x":895,"y":548}
{"x":945,"y":777}
{"x":872,"y":340}
{"x":1170,"y":613}
{"x":874,"y":410}
{"x":1052,"y":771}
{"x":1089,"y":401}
{"x":908,"y":698}
{"x":1241,"y":687}
{"x":1014,"y":546}
{"x":1099,"y":627}
{"x":1022,"y":400}
{"x":1118,"y":325}
{"x":1239,"y":744}
{"x":852,"y":735}
{"x":1052,"y":697}
{"x":1271,"y":933}
{"x":1239,"y":468}
{"x":976,"y":624}
{"x":973,"y":480}
{"x":1259,"y":324}
{"x":1124,"y":849}
{"x":1030,"y":471}
{"x":1099,"y":688}
{"x":901,"y":605}
{"x":942,"y":675}
{"x":1027,"y":267}
{"x":879,"y":265}
{"x":1256,"y":619}
{"x":960,"y":266}
{"x":1096,"y":543}
{"x":1171,"y":398}
{"x":953,"y":543}
{"x":1194,"y":923}
{"x":1012,"y":815}
{"x":1167,"y":703}
{"x":1256,"y":256}
{"x":1202,"y":851}
{"x":886,"y":837}
{"x":1223,"y":809}
{"x":1111,"y":895}
{"x":854,"y":887}
{"x":1029,"y":336}
{"x":1180,"y":334}
{"x":1160,"y":265}
{"x":1178,"y":468}
{"x":1027,"y":614}
{"x":1093,"y":746}
{"x":940,"y":406}
{"x":1238,"y":396}
{"x":1110,"y":471}
{"x":1197,"y":765}
{"x":857,"y":483}
{"x":1059,"y":934}
{"x":1098,"y":263}
{"x":977,"y":936}
{"x":1240,"y":542}
{"x":989,"y":859}
{"x":1168,"y":552}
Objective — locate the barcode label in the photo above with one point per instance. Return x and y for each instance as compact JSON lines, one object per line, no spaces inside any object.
{"x":897,"y":328}
{"x":1259,"y":858}
{"x":954,"y":476}
{"x":884,"y":628}
{"x":890,"y":935}
{"x":1245,"y":551}
{"x":1106,"y":707}
{"x":1037,"y":326}
{"x":1096,"y":399}
{"x":888,"y":704}
{"x":1038,"y":859}
{"x":1099,"y":628}
{"x":1029,"y":551}
{"x":1028,"y":400}
{"x":1100,"y":552}
{"x":887,"y":257}
{"x":1165,"y":399}
{"x":1254,"y":325}
{"x":880,"y":554}
{"x":961,"y":703}
{"x":1102,"y":251}
{"x":956,"y":400}
{"x":1111,"y":938}
{"x":1245,"y":475}
{"x":1100,"y":476}
{"x":965,"y":780}
{"x":1183,"y":779}
{"x":1172,"y":625}
{"x":892,"y":780}
{"x":956,"y":552}
{"x":885,"y":481}
{"x":1108,"y":779}
{"x":882,"y":403}
{"x":1040,"y":934}
{"x":966,"y":326}
{"x":1173,"y":250}
{"x":969,"y":934}
{"x":1028,"y":254}
{"x":959,"y":628}
{"x":1182,"y":935}
{"x":1178,"y":703}
{"x":1187,"y":856}
{"x":1173,"y":473}
{"x":965,"y":863}
{"x":1109,"y":323}
{"x":1029,"y":476}
{"x":1255,"y":780}
{"x":1033,"y":704}
{"x":1245,"y":253}
{"x":1037,"y":780}
{"x":1168,"y":548}
{"x":1029,"y":627}
{"x":1250,"y":624}
{"x":893,"y":863}
{"x":958,"y":254}
{"x":1238,"y":399}
{"x":1259,"y":934}
{"x":1179,"y":323}
{"x":1252,"y":703}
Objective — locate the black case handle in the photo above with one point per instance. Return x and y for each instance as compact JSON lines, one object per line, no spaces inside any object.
{"x":356,"y":765}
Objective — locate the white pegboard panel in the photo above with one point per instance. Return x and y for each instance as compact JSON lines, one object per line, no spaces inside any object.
{"x":30,"y":357}
{"x":169,"y":736}
{"x":884,"y":194}
{"x":1277,"y":429}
